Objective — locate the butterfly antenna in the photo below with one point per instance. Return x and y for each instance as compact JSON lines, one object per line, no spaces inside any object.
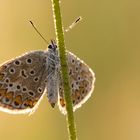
{"x":74,"y":24}
{"x":38,"y":32}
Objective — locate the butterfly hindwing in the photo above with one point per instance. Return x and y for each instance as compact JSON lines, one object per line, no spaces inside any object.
{"x":82,"y":80}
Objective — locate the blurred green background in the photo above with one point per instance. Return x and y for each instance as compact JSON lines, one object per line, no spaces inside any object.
{"x":107,"y":40}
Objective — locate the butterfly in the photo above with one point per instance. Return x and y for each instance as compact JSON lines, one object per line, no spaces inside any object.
{"x":25,"y":80}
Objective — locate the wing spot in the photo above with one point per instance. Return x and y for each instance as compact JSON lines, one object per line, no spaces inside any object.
{"x":73,"y":60}
{"x":18,"y":87}
{"x":5,"y":66}
{"x":7,"y":80}
{"x":32,"y":72}
{"x":17,"y":63}
{"x":12,"y":70}
{"x":62,"y":102}
{"x":17,"y":101}
{"x":10,"y":85}
{"x":79,"y":78}
{"x":70,"y":71}
{"x":78,"y":97}
{"x":76,"y":68}
{"x":39,"y":90}
{"x":36,"y":79}
{"x":28,"y":103}
{"x":31,"y":93}
{"x":73,"y":101}
{"x":23,"y":74}
{"x":83,"y":91}
{"x":8,"y":97}
{"x":77,"y":83}
{"x":29,"y":61}
{"x":25,"y":104}
{"x":24,"y":89}
{"x":72,"y":85}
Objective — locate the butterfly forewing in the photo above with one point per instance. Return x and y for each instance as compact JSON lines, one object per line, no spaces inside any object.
{"x":82,"y":80}
{"x":22,"y":82}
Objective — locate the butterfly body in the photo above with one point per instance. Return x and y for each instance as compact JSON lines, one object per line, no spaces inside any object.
{"x":53,"y":70}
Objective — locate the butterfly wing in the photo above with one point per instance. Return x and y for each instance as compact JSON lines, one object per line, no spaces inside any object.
{"x":82,"y":80}
{"x":22,"y":82}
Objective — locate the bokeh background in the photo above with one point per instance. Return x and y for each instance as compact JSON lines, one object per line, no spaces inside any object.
{"x":107,"y":39}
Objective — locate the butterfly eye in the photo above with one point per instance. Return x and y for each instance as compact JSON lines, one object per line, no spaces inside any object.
{"x":50,"y":46}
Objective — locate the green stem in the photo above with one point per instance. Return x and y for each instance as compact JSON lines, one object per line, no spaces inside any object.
{"x":64,"y":68}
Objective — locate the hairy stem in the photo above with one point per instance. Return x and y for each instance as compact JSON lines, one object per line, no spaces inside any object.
{"x":64,"y":68}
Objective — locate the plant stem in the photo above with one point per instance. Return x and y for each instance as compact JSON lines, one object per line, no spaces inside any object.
{"x":64,"y":68}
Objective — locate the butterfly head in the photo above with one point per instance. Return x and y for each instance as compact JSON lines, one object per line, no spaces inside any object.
{"x":52,"y":46}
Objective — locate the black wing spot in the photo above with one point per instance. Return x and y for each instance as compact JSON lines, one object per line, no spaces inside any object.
{"x":7,"y":80}
{"x":23,"y":73}
{"x":32,"y":72}
{"x":31,"y":93}
{"x":36,"y":79}
{"x":40,"y":90}
{"x":29,"y":61}
{"x":12,"y":70}
{"x":18,"y":87}
{"x":17,"y":62}
{"x":10,"y":85}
